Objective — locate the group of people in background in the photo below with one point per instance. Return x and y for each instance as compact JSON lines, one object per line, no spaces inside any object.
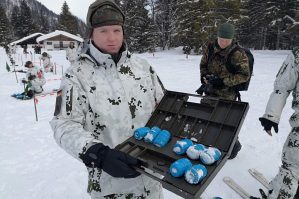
{"x":35,"y":80}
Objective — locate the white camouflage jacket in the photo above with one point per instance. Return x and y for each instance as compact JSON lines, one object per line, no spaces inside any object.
{"x":39,"y":79}
{"x":287,"y":81}
{"x":71,"y":54}
{"x":104,"y":102}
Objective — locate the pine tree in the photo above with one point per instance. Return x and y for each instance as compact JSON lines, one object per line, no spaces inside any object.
{"x":16,"y":22}
{"x":45,"y":27}
{"x":27,"y":27}
{"x":256,"y":24}
{"x":165,"y":18}
{"x":274,"y":15}
{"x":137,"y":25}
{"x":67,"y":22}
{"x":4,"y":28}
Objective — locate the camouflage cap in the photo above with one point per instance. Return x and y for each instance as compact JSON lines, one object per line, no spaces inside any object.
{"x":104,"y":12}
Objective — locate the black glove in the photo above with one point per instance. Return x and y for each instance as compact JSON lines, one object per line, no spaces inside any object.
{"x":267,"y":124}
{"x":31,"y":77}
{"x":116,"y":163}
{"x":217,"y":82}
{"x":24,"y":81}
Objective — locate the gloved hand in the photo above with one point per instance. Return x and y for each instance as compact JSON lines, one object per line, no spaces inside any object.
{"x":116,"y":163}
{"x":267,"y":124}
{"x":24,"y":81}
{"x":217,"y":82}
{"x":203,"y":79}
{"x":31,"y":77}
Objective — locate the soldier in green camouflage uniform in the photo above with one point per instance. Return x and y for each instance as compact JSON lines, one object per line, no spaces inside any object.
{"x":225,"y":81}
{"x":214,"y":72}
{"x":105,"y":95}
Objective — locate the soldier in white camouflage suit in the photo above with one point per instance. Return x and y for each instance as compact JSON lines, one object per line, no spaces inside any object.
{"x":35,"y":77}
{"x":71,"y":53}
{"x":105,"y":95}
{"x":47,"y":64}
{"x":285,"y":184}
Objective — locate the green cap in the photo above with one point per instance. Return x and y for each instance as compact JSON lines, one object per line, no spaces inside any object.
{"x":226,"y":31}
{"x":103,"y":13}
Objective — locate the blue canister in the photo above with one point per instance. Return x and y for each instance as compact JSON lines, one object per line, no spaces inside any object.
{"x":140,"y":133}
{"x":162,"y":138}
{"x":195,"y":174}
{"x":194,"y":151}
{"x":181,"y":146}
{"x":152,"y":134}
{"x":179,"y":167}
{"x":210,"y":155}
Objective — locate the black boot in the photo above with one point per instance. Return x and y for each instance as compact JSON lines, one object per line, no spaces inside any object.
{"x":235,"y":150}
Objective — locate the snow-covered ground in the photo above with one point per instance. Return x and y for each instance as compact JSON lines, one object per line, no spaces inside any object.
{"x":33,"y":166}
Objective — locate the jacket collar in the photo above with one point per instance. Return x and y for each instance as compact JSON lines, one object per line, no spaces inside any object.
{"x":227,"y":50}
{"x":102,"y":59}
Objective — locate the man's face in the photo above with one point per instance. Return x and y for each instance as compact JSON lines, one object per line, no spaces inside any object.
{"x":223,"y":43}
{"x":108,"y":39}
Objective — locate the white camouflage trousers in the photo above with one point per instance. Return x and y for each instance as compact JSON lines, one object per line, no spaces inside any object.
{"x":285,"y":183}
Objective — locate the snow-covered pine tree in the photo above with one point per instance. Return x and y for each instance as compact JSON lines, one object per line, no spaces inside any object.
{"x":44,"y":23}
{"x":67,"y":22}
{"x":137,"y":25}
{"x":195,"y":23}
{"x":165,"y":17}
{"x":277,"y":36}
{"x":16,"y":22}
{"x":244,"y":33}
{"x":27,"y":26}
{"x":4,"y":28}
{"x":257,"y":25}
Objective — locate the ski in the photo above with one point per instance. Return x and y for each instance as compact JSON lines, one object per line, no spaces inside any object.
{"x":259,"y":177}
{"x":236,"y":187}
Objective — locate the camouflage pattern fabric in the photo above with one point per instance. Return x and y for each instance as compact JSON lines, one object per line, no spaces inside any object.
{"x":39,"y":79}
{"x":71,"y":54}
{"x":104,"y":102}
{"x":217,"y":66}
{"x":47,"y":64}
{"x":285,"y":183}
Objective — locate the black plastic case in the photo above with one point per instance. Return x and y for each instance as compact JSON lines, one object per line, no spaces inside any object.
{"x":208,"y":121}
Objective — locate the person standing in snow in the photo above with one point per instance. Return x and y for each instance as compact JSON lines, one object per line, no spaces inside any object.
{"x":34,"y":77}
{"x":105,"y":95}
{"x":47,"y":64}
{"x":71,"y":53}
{"x":214,"y":73}
{"x":285,"y":183}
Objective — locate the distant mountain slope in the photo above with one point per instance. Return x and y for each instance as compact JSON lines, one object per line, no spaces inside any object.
{"x":38,"y":9}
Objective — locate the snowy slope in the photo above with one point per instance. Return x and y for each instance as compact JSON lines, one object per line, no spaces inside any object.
{"x":32,"y":165}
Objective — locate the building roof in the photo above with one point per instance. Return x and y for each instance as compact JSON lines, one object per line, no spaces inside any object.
{"x":30,"y":39}
{"x":59,"y":34}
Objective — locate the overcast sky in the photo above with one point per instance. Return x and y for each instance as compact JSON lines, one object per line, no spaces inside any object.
{"x":77,"y":7}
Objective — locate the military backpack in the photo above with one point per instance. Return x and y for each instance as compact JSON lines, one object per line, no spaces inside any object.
{"x":242,"y":86}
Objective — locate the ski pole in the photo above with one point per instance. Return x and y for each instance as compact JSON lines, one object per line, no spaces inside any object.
{"x":35,"y":109}
{"x":13,"y":64}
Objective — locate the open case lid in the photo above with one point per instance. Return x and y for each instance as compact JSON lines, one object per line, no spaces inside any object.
{"x":208,"y":121}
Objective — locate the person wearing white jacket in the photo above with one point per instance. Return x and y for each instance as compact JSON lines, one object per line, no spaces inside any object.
{"x":71,"y":53}
{"x":285,"y":184}
{"x":105,"y":95}
{"x":35,"y":76}
{"x":47,"y":64}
